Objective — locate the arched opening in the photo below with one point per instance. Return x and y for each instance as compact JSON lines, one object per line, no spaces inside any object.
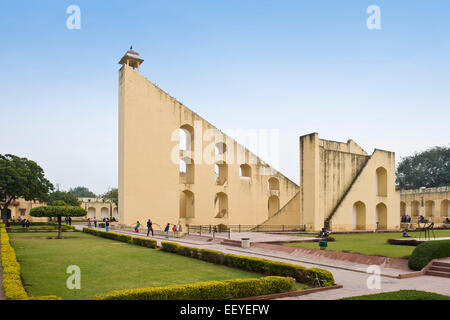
{"x":186,"y":138}
{"x":359,"y":216}
{"x":445,"y":208}
{"x":273,"y":205}
{"x":187,"y":171}
{"x":245,"y":171}
{"x":381,"y":216}
{"x":104,"y":213}
{"x":221,"y":173}
{"x":221,"y":205}
{"x":187,"y":201}
{"x":381,"y":182}
{"x":274,"y":184}
{"x":91,"y":213}
{"x":402,"y":209}
{"x":429,"y":208}
{"x":220,"y":148}
{"x":116,"y":213}
{"x":415,"y":208}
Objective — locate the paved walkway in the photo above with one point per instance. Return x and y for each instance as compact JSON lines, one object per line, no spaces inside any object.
{"x":352,"y":276}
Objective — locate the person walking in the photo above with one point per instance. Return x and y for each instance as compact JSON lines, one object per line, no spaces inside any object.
{"x":89,"y":222}
{"x":107,"y":225}
{"x":166,"y":230}
{"x":149,"y":227}
{"x":95,"y":222}
{"x":136,"y":228}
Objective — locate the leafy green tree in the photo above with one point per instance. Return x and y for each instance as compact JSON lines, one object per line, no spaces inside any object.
{"x":21,"y":178}
{"x":67,"y":197}
{"x":82,"y":192}
{"x":430,"y":168}
{"x":112,"y":195}
{"x":58,"y":209}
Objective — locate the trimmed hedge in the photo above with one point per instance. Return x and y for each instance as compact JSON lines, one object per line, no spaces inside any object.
{"x":12,"y":282}
{"x":210,"y":290}
{"x":428,"y":251}
{"x":312,"y":277}
{"x":149,"y":243}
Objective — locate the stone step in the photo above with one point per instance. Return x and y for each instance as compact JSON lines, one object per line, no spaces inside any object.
{"x":441,"y":264}
{"x":438,"y":274}
{"x":439,"y":268}
{"x":229,"y":242}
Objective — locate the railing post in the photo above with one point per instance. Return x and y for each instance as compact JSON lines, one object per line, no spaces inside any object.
{"x":257,"y":228}
{"x":200,"y":230}
{"x":229,"y":233}
{"x":239,"y":228}
{"x":283,"y":227}
{"x":209,"y":228}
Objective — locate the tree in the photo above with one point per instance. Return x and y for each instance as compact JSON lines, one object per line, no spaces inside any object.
{"x":112,"y":195}
{"x":82,"y":192}
{"x":67,"y":197}
{"x":21,"y":178}
{"x":58,"y":209}
{"x":430,"y":168}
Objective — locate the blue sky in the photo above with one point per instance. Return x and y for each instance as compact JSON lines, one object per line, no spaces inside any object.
{"x":296,"y":66}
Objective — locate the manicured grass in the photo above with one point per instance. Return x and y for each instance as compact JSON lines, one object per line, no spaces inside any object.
{"x":401,"y":295}
{"x":106,"y":265}
{"x":369,"y":243}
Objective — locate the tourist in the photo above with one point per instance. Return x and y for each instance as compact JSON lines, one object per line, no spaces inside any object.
{"x":24,"y":222}
{"x":149,"y":227}
{"x":95,"y":222}
{"x":179,"y":226}
{"x":136,"y":228}
{"x":447,"y":221}
{"x":405,"y":234}
{"x":166,"y":230}
{"x":89,"y":222}
{"x":174,"y":228}
{"x":70,"y":221}
{"x":107,"y":225}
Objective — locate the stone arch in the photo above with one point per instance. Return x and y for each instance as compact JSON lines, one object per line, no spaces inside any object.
{"x":429,"y":208}
{"x":445,"y":208}
{"x":245,"y":171}
{"x":187,"y":204}
{"x":186,"y":142}
{"x":187,"y":170}
{"x":274,"y":184}
{"x":402,"y":208}
{"x":221,"y":205}
{"x":381,"y":216}
{"x":220,"y":148}
{"x":116,"y":213}
{"x":359,"y":216}
{"x":221,"y":173}
{"x":104,"y":212}
{"x":415,"y":205}
{"x":91,"y":212}
{"x":273,"y":205}
{"x":381,"y":182}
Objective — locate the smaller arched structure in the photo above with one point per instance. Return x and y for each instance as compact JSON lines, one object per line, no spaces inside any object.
{"x":221,"y":205}
{"x":445,"y":208}
{"x":274,"y":184}
{"x":273,"y":205}
{"x":402,"y":208}
{"x":245,"y":171}
{"x":187,"y":204}
{"x":359,"y":216}
{"x":381,"y":182}
{"x":381,"y":216}
{"x":429,"y":208}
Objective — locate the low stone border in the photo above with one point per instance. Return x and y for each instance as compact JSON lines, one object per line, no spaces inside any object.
{"x":36,"y":231}
{"x":292,"y":293}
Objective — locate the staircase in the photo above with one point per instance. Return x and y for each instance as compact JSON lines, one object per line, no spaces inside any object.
{"x":439,"y":269}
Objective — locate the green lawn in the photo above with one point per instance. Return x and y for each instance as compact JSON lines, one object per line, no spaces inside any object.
{"x":369,"y":243}
{"x":401,"y":295}
{"x":106,"y":265}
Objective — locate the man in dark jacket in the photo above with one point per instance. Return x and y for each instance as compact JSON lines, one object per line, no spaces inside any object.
{"x":149,"y":227}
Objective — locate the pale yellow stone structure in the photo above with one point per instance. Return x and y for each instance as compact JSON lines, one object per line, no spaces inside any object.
{"x":205,"y":177}
{"x":431,"y":203}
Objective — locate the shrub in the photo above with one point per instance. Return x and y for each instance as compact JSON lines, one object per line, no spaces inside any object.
{"x":211,"y":290}
{"x":313,"y":276}
{"x":149,"y":243}
{"x":428,"y":251}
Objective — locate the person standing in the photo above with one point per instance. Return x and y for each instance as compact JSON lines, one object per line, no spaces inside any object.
{"x":166,"y":230}
{"x":70,"y":221}
{"x":179,"y":226}
{"x":107,"y":225}
{"x":27,"y":224}
{"x":89,"y":222}
{"x":149,"y":227}
{"x":95,"y":222}
{"x":136,"y":228}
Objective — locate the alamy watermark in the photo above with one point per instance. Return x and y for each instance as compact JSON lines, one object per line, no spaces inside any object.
{"x":374,"y":281}
{"x":74,"y":280}
{"x":374,"y":20}
{"x":73,"y":22}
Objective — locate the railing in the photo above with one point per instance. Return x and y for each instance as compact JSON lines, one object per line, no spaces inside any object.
{"x":204,"y":229}
{"x":160,"y":233}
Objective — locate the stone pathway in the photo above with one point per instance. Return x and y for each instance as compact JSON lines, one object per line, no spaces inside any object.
{"x":352,"y":276}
